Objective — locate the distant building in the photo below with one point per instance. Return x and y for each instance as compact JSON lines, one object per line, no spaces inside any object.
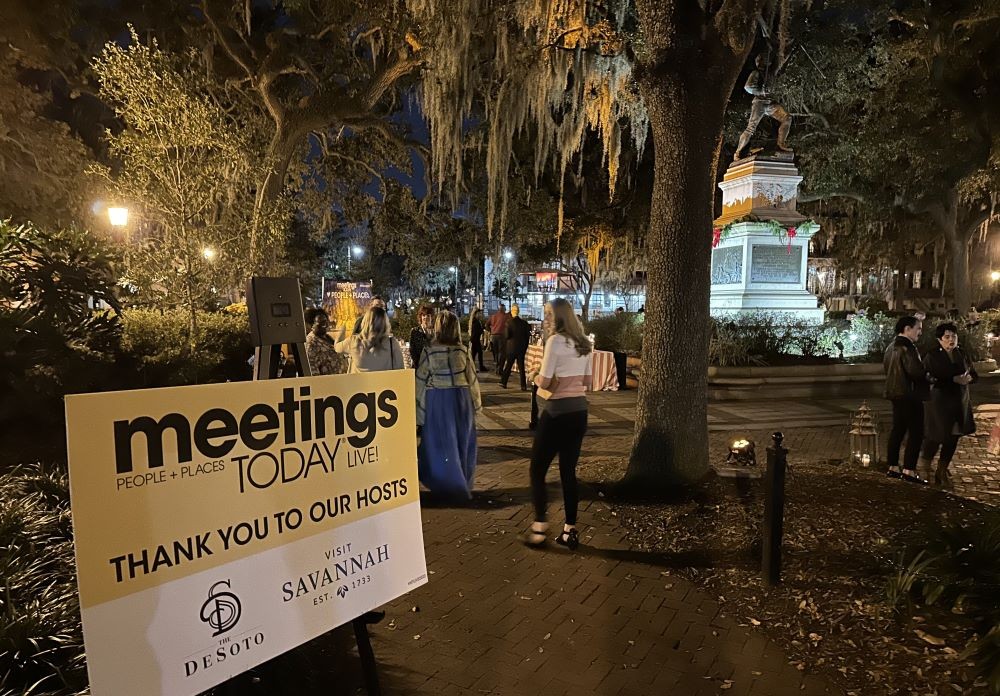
{"x":536,"y":287}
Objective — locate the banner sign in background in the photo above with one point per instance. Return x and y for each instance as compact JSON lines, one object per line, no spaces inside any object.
{"x":346,"y":302}
{"x":218,"y":526}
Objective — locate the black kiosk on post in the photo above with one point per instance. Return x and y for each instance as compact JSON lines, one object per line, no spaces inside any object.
{"x":274,"y":306}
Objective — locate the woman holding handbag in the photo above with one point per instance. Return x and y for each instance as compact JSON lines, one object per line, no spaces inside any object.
{"x":948,"y":414}
{"x":563,"y":381}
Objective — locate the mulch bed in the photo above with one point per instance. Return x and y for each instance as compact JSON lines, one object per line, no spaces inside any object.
{"x":846,"y":530}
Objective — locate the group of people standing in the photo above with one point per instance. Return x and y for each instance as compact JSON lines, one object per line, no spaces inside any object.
{"x":931,"y":406}
{"x":510,"y":336}
{"x":448,"y":394}
{"x":447,"y":387}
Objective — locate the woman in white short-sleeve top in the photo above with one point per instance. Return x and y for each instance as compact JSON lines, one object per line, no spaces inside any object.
{"x":563,"y":381}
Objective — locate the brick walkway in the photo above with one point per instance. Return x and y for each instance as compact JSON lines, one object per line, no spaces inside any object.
{"x":498,"y":618}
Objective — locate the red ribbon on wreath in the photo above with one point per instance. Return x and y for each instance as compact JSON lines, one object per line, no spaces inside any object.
{"x":791,"y":236}
{"x":717,"y":237}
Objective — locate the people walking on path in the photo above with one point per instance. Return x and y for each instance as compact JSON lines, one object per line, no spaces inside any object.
{"x":949,"y":411}
{"x":563,"y":381}
{"x":373,"y":348}
{"x":323,"y":357}
{"x":518,"y":335}
{"x":420,"y":335}
{"x":906,"y":388}
{"x":448,"y":400}
{"x":476,"y":330}
{"x":498,"y":337}
{"x":546,"y":332}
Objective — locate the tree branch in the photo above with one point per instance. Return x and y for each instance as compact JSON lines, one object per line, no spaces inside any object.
{"x":813,"y":197}
{"x":239,"y":51}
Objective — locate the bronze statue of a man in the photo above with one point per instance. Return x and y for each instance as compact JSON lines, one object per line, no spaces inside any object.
{"x":763,"y":106}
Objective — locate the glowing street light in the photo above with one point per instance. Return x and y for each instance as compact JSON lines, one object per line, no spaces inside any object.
{"x":118,"y":216}
{"x":353,"y":251}
{"x":995,"y":276}
{"x":508,"y":255}
{"x":209,"y":253}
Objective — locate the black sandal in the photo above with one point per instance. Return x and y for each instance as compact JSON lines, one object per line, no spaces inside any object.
{"x":570,"y":539}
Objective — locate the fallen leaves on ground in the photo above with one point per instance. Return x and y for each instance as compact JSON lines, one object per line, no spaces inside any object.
{"x":844,"y":530}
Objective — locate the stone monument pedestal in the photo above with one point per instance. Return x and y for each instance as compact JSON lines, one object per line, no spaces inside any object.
{"x":755,"y":270}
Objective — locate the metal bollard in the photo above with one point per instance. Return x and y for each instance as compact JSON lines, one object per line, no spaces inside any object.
{"x":774,"y":511}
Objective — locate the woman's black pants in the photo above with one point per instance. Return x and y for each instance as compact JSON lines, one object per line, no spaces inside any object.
{"x":477,"y":349}
{"x":929,"y":449}
{"x":562,"y":435}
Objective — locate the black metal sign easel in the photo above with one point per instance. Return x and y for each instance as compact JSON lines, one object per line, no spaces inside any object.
{"x":274,"y":306}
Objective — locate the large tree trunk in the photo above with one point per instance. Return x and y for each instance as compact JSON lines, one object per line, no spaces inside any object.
{"x":671,"y":432}
{"x":686,"y":75}
{"x":958,"y":250}
{"x":958,"y":223}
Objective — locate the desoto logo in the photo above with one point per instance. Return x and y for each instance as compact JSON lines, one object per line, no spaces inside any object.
{"x":295,"y":419}
{"x":222,"y":609}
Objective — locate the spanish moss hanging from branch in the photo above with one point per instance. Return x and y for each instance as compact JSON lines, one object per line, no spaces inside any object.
{"x":557,"y":70}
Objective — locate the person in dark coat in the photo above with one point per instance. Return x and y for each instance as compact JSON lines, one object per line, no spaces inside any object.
{"x":476,"y":330}
{"x":518,"y":333}
{"x":949,"y":412}
{"x":421,"y":334}
{"x":906,"y":387}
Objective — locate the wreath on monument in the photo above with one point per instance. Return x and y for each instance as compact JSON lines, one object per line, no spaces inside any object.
{"x":783,"y":233}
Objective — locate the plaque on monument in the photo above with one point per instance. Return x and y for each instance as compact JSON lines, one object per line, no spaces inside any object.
{"x":770,"y":263}
{"x":727,"y":265}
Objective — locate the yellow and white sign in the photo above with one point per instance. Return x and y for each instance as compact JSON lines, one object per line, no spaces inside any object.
{"x":218,"y":526}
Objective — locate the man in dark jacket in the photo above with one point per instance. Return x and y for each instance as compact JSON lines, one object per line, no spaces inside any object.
{"x":906,"y":387}
{"x":518,"y":334}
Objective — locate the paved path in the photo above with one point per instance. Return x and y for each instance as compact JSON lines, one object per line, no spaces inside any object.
{"x":499,"y":618}
{"x":816,"y":429}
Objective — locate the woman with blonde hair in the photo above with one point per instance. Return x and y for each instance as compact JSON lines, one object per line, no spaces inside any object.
{"x":563,"y":381}
{"x":373,"y":348}
{"x":447,"y":403}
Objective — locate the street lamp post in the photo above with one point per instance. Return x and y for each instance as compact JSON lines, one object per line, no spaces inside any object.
{"x":351,"y":251}
{"x":508,"y":256}
{"x":454,"y":269}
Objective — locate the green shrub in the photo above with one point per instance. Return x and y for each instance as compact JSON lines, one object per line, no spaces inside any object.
{"x":156,"y":350}
{"x":41,"y":643}
{"x":869,"y":335}
{"x":403,"y":322}
{"x":971,"y":339}
{"x":620,"y":332}
{"x":51,"y":340}
{"x":964,"y":573}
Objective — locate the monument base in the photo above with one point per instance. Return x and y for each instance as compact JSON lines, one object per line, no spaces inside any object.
{"x":761,"y":264}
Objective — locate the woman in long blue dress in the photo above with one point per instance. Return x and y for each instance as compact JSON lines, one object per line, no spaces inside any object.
{"x":447,"y":403}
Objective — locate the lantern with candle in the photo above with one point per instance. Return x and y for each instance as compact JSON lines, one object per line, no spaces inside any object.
{"x":864,"y":437}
